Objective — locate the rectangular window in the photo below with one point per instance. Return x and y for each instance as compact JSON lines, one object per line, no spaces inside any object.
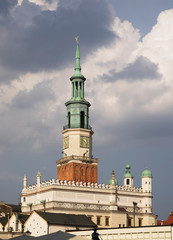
{"x":119,"y":225}
{"x":98,"y":220}
{"x":129,"y":222}
{"x":140,"y":222}
{"x":107,"y":221}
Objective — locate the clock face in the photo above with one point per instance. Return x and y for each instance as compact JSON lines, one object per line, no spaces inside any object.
{"x":84,"y":141}
{"x":66,"y":142}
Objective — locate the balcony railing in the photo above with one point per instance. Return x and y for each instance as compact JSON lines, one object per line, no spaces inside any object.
{"x":66,"y":127}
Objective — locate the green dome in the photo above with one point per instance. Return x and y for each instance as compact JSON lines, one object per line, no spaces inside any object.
{"x":116,"y":181}
{"x":146,"y":173}
{"x":128,"y":173}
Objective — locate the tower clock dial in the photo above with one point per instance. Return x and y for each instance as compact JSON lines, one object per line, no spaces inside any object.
{"x":66,"y":142}
{"x":84,"y":141}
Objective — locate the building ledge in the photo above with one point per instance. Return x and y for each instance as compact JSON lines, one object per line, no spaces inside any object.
{"x":82,"y":159}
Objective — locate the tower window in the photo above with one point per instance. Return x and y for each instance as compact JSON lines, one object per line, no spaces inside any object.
{"x":128,"y":182}
{"x":69,"y":119}
{"x":76,"y":85}
{"x":82,"y":119}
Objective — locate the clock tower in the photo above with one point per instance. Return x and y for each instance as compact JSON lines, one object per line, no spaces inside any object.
{"x":77,"y":163}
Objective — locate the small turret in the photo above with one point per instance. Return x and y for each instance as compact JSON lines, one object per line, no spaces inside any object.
{"x":147,"y":190}
{"x":128,"y":177}
{"x":113,"y":196}
{"x":147,"y":180}
{"x":113,"y":180}
{"x":25,"y":181}
{"x":38,"y":179}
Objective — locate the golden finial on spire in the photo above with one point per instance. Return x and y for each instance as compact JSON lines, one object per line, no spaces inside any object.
{"x":77,"y":39}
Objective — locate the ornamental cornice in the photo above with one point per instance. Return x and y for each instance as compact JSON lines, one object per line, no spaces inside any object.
{"x":89,"y":160}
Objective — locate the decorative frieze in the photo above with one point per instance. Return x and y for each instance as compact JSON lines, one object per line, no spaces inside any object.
{"x":82,"y":185}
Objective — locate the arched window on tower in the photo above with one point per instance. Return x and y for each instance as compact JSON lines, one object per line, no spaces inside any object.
{"x":80,"y":84}
{"x":68,"y":119}
{"x":128,"y":182}
{"x":82,"y":119}
{"x":76,"y":90}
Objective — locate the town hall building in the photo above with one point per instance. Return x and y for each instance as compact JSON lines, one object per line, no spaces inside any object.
{"x":76,"y":189}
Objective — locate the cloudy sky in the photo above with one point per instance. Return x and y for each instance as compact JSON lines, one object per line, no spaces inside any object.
{"x":126,"y":55}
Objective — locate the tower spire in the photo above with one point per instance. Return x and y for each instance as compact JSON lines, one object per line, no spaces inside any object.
{"x":77,"y":68}
{"x":77,"y":106}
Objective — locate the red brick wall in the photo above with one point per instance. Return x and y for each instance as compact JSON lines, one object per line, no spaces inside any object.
{"x":77,"y":172}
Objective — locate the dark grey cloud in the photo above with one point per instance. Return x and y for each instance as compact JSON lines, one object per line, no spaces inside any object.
{"x":6,"y":6}
{"x":29,"y":99}
{"x":49,"y":1}
{"x":29,"y":124}
{"x":141,"y":69}
{"x":47,"y":42}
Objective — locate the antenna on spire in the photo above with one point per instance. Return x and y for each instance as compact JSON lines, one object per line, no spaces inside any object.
{"x":77,"y":39}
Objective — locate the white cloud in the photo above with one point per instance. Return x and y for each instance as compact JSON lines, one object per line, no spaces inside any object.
{"x":44,"y":4}
{"x":157,"y":45}
{"x":117,"y":54}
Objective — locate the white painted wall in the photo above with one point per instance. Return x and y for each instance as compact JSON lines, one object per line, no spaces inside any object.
{"x":36,"y":225}
{"x":142,"y":233}
{"x":74,"y":142}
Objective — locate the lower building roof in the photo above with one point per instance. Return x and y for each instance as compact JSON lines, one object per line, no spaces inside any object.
{"x":67,"y":219}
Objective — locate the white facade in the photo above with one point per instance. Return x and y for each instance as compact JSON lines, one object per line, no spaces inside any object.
{"x":14,"y":224}
{"x":36,"y":225}
{"x":95,"y":200}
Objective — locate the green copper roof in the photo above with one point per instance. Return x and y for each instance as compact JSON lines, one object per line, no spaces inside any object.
{"x":128,"y":173}
{"x":110,"y":181}
{"x":77,"y":106}
{"x":146,"y":173}
{"x":77,"y":69}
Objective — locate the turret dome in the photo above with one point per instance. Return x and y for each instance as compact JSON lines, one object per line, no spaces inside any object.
{"x":110,"y":181}
{"x":128,"y":173}
{"x":146,"y":173}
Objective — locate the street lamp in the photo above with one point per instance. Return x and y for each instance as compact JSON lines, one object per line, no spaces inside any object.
{"x":134,"y":208}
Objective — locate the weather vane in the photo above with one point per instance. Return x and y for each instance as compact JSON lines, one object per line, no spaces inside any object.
{"x":77,"y":39}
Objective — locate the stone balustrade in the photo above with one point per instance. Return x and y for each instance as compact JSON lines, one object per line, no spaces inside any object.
{"x":81,"y":184}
